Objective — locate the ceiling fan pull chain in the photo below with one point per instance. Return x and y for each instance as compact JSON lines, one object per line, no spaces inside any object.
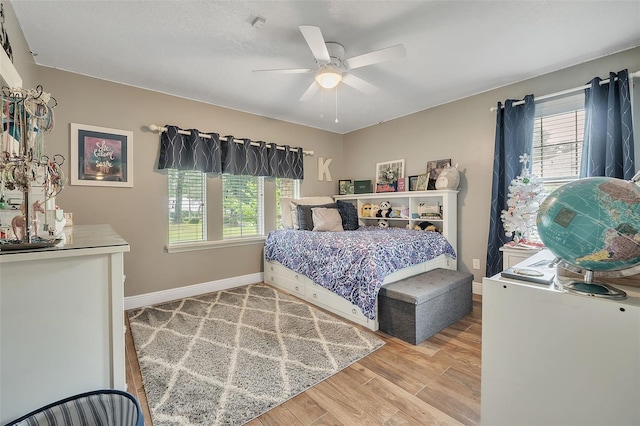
{"x":336,"y":104}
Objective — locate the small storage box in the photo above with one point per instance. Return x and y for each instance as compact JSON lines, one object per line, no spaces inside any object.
{"x":416,"y":308}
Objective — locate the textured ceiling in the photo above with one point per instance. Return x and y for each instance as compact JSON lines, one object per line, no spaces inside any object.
{"x":206,"y":50}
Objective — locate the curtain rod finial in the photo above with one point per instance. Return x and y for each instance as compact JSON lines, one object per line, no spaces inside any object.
{"x":153,"y":127}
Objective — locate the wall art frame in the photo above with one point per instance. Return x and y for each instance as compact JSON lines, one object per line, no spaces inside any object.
{"x":413,"y":181}
{"x":344,"y":186}
{"x":101,"y":156}
{"x":387,"y":175}
{"x":422,"y":182}
{"x":434,"y":168}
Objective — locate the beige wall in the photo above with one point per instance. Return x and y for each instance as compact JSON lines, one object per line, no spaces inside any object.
{"x":461,"y":130}
{"x":139,"y":214}
{"x":464,"y":131}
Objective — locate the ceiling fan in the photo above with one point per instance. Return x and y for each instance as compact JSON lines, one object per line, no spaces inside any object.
{"x":333,"y":68}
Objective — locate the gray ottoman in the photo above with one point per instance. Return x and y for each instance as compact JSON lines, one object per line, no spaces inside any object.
{"x":416,"y":308}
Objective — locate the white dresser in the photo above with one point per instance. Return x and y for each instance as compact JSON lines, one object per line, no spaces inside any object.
{"x":61,"y":320}
{"x":556,"y":358}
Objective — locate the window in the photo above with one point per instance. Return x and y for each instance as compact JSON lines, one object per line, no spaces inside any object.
{"x":187,"y":206}
{"x":558,"y":133}
{"x":285,"y":188}
{"x":243,"y":206}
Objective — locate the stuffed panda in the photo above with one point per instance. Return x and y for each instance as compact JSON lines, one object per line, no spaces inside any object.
{"x":385,"y":209}
{"x":426,"y":226}
{"x":383,"y":223}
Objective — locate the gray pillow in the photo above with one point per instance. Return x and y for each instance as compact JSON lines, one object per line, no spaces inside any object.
{"x":305,"y":215}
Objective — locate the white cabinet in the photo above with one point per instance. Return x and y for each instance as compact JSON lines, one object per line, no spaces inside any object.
{"x":61,"y":320}
{"x":438,"y":207}
{"x":556,"y":358}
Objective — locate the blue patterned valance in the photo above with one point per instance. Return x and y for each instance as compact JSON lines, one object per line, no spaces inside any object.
{"x":207,"y":153}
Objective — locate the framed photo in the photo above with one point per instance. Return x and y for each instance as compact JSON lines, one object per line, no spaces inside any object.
{"x":387,"y":175}
{"x":413,"y":181}
{"x":101,"y":156}
{"x":344,"y":186}
{"x":433,"y":170}
{"x":422,"y":182}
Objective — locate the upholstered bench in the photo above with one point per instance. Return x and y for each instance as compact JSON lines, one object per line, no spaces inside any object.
{"x":416,"y":308}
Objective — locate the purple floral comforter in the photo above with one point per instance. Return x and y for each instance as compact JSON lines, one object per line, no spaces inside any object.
{"x":353,"y":264}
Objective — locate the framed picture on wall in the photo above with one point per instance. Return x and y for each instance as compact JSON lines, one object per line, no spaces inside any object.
{"x":433,"y":170}
{"x":344,"y":186}
{"x":101,"y":156}
{"x":422,"y":182}
{"x":413,"y":182}
{"x":387,"y":175}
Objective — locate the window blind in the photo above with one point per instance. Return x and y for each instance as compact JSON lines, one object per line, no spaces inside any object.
{"x":243,"y":206}
{"x":557,"y":140}
{"x":187,"y":206}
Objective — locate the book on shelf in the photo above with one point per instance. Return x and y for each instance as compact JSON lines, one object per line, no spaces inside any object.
{"x":432,"y":216}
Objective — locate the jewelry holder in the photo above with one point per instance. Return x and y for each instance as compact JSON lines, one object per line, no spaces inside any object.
{"x":26,"y":116}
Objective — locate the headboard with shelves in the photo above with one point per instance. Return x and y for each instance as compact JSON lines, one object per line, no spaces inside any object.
{"x":439,"y":207}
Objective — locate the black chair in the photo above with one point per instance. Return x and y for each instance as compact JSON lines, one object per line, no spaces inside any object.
{"x":107,"y":407}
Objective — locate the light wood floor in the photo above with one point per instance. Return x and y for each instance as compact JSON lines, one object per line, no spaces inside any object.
{"x":436,"y":382}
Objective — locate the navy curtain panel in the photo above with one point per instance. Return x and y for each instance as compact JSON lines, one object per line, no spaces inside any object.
{"x":229,"y":155}
{"x":514,"y":137}
{"x":286,"y":162}
{"x":189,"y":152}
{"x":607,"y":149}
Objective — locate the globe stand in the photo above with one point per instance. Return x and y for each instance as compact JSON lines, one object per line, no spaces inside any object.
{"x":589,"y":288}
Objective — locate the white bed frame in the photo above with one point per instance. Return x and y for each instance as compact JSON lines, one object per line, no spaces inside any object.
{"x":304,"y":288}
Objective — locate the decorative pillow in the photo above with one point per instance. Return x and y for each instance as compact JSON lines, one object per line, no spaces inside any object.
{"x":305,"y":215}
{"x":288,"y":214}
{"x":349,"y":214}
{"x":326,"y":219}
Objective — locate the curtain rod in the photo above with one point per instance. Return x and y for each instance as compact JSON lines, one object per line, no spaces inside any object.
{"x":155,"y":128}
{"x":566,"y":92}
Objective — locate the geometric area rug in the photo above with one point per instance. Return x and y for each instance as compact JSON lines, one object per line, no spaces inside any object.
{"x":227,"y":357}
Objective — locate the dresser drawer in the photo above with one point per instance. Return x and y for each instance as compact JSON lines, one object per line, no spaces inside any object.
{"x":272,"y":269}
{"x":294,"y":287}
{"x":333,"y":302}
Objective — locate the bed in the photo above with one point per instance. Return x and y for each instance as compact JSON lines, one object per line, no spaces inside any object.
{"x":343,"y":271}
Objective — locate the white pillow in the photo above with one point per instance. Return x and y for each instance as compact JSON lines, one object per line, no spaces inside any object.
{"x":325,"y":219}
{"x":288,"y":213}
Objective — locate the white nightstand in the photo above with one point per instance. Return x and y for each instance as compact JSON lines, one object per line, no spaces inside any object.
{"x":513,"y":255}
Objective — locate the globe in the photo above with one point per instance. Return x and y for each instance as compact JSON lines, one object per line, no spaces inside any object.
{"x":594,"y":224}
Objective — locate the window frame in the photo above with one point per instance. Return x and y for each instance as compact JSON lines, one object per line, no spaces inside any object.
{"x":215,"y":216}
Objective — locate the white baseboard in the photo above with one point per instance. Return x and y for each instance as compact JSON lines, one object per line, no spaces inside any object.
{"x":163,"y":296}
{"x":147,"y":299}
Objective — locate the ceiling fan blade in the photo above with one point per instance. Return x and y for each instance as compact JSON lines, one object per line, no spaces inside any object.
{"x":286,"y":71}
{"x":359,"y":84}
{"x":387,"y":54}
{"x":314,"y":39}
{"x":310,"y":91}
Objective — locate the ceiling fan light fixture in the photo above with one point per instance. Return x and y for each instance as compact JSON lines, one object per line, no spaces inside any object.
{"x":328,"y":77}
